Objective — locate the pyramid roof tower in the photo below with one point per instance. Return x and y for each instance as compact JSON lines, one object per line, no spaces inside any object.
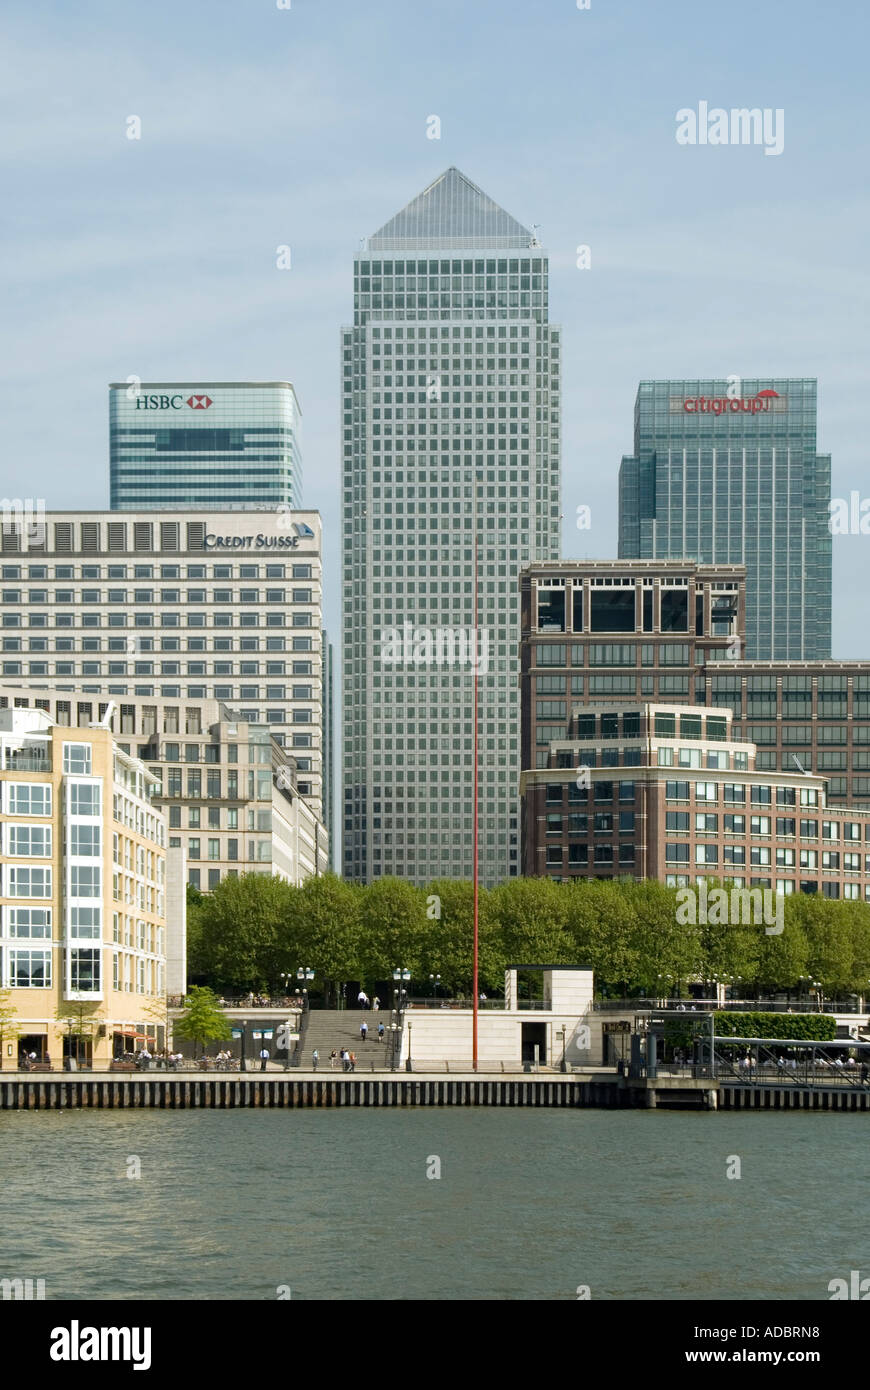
{"x":451,"y":214}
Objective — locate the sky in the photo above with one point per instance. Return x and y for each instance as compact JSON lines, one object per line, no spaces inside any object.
{"x":306,"y":127}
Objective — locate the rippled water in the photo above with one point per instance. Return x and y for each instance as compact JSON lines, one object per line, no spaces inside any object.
{"x":337,"y":1205}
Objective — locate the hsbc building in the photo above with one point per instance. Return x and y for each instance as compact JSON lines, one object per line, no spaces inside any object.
{"x":204,"y":444}
{"x":727,"y":471}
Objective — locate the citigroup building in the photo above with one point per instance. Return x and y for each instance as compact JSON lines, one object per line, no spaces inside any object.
{"x":727,"y":472}
{"x":204,"y":444}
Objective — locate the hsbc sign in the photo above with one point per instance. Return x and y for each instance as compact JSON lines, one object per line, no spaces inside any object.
{"x":761,"y":403}
{"x":176,"y":402}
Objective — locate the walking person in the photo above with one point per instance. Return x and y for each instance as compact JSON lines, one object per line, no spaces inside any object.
{"x":363,"y":1030}
{"x":345,"y":1059}
{"x":380,"y":1032}
{"x":264,"y":1057}
{"x":333,"y":1058}
{"x":362,"y":999}
{"x":315,"y":1058}
{"x":376,"y":1003}
{"x":352,"y":1056}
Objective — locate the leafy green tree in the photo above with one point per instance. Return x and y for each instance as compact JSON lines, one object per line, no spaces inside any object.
{"x":249,"y":935}
{"x":532,"y":917}
{"x":448,"y":939}
{"x":392,"y":926}
{"x":326,"y":915}
{"x":77,"y":1022}
{"x":10,"y":1028}
{"x":203,"y":1021}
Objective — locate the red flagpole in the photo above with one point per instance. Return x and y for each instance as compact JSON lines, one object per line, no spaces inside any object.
{"x":476,"y":677}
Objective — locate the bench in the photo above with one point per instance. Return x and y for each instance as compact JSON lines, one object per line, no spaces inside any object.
{"x":123,"y":1066}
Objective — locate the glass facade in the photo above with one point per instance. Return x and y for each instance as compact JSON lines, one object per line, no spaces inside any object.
{"x":221,"y":444}
{"x":451,"y":376}
{"x":729,"y":473}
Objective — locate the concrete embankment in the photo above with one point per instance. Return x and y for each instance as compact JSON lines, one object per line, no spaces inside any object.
{"x":174,"y":1092}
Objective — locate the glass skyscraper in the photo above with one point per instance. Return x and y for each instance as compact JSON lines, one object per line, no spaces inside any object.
{"x":727,"y":472}
{"x":204,"y":444}
{"x":451,"y":376}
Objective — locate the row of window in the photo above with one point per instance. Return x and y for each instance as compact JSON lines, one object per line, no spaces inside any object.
{"x":143,"y":620}
{"x":300,"y":571}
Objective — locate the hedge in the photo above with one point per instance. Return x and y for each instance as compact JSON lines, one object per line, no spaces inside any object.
{"x":814,"y":1027}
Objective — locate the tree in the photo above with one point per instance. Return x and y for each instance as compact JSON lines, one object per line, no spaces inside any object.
{"x":326,"y":912}
{"x":76,"y":1018}
{"x":203,"y":1021}
{"x":392,"y":925}
{"x":10,"y":1029}
{"x":448,"y":938}
{"x":248,"y":932}
{"x":532,"y":916}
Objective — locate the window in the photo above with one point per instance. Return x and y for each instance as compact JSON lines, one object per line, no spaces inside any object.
{"x":29,"y":799}
{"x":29,"y":841}
{"x":84,"y":881}
{"x":26,"y":882}
{"x":85,"y":971}
{"x":30,"y":969}
{"x":85,"y":841}
{"x":86,"y":922}
{"x":85,"y":800}
{"x":28,"y":922}
{"x":77,"y":759}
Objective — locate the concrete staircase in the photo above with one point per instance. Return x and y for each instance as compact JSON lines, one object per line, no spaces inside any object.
{"x":334,"y":1028}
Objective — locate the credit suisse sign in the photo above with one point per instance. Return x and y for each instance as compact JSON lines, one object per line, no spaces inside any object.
{"x":175,"y":402}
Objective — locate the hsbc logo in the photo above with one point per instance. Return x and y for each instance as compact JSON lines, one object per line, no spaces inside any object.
{"x":173,"y":402}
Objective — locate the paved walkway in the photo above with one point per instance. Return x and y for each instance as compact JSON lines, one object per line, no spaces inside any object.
{"x":334,"y":1028}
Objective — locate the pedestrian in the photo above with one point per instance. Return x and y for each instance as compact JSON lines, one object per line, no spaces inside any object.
{"x":363,"y":1030}
{"x":376,"y":1003}
{"x":264,"y":1057}
{"x":352,"y":1056}
{"x":345,"y":1059}
{"x":362,"y":999}
{"x":380,"y":1032}
{"x":315,"y":1058}
{"x":333,"y":1058}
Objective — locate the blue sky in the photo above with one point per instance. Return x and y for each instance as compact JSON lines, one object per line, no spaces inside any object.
{"x":307,"y":127}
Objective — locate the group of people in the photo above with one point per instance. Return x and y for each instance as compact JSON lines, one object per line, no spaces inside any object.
{"x":363,"y":1000}
{"x":347,"y":1059}
{"x":364,"y":1031}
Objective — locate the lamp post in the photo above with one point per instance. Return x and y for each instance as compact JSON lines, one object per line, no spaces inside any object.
{"x":243,"y":1065}
{"x":304,"y":973}
{"x":564,"y":1066}
{"x":408,"y":1066}
{"x":401,"y":975}
{"x":436,"y":980}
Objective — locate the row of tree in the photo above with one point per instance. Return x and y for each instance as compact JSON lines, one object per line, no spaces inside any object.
{"x":253,"y":929}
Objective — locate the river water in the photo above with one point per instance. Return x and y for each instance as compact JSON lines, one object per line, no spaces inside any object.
{"x":337,"y":1204}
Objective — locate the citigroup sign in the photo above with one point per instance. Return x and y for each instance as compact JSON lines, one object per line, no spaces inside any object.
{"x":761,"y":403}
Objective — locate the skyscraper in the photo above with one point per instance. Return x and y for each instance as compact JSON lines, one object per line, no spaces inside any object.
{"x":204,"y":444}
{"x":727,"y":472}
{"x":451,"y":376}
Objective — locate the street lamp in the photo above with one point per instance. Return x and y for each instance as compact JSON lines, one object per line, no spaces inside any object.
{"x":243,"y":1065}
{"x":399,"y":995}
{"x":408,"y":1066}
{"x":564,"y":1066}
{"x":304,"y":973}
{"x":436,"y":980}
